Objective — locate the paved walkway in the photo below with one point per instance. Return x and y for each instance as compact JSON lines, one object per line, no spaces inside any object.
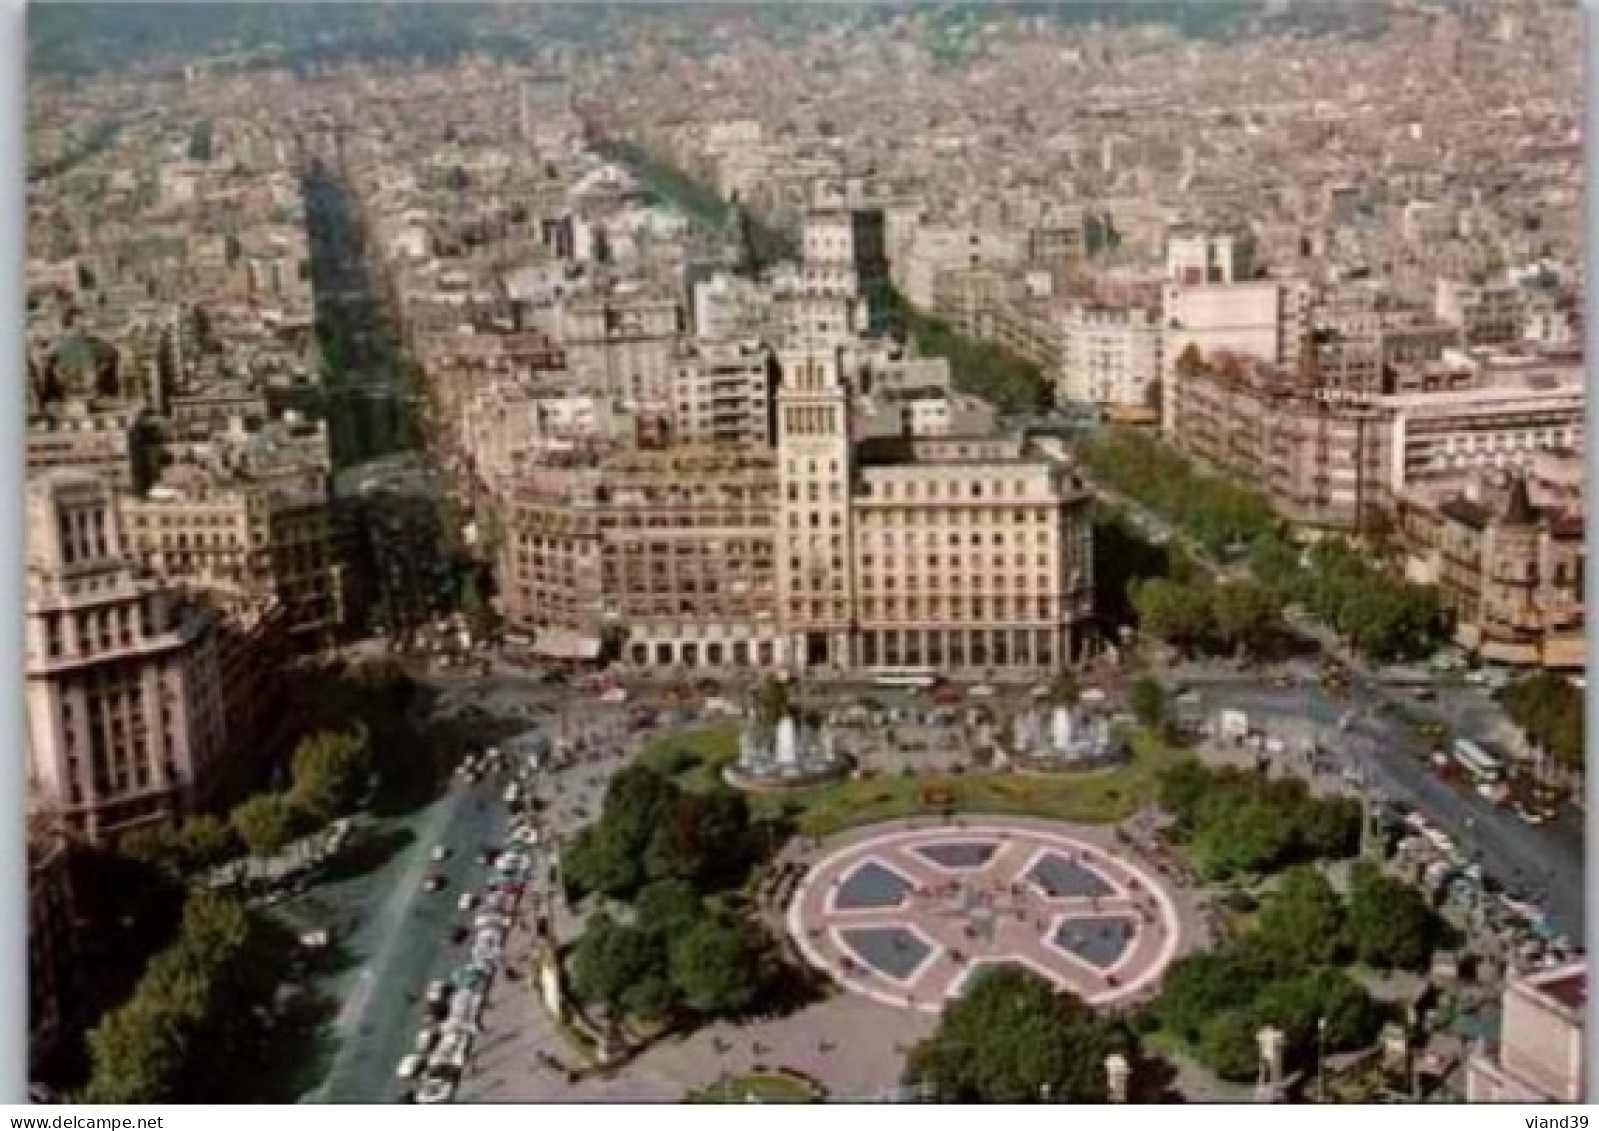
{"x":906,"y":917}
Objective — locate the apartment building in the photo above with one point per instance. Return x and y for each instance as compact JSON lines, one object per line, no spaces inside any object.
{"x":1317,"y":462}
{"x":1261,"y":319}
{"x":116,"y":442}
{"x":844,"y":250}
{"x":1507,"y":554}
{"x":672,"y":548}
{"x":1325,"y":461}
{"x":1500,"y":420}
{"x":125,"y":704}
{"x":247,"y":540}
{"x":722,"y":392}
{"x":622,"y":343}
{"x":1195,"y":258}
{"x":1109,"y":355}
{"x":1486,"y":313}
{"x":1539,"y":1055}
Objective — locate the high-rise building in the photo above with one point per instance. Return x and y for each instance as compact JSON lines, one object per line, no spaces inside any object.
{"x":125,"y":706}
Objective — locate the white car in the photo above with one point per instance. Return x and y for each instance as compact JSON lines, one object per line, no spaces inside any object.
{"x":466,"y":902}
{"x":439,"y":854}
{"x":426,"y":1038}
{"x":436,"y":1090}
{"x":410,"y":1066}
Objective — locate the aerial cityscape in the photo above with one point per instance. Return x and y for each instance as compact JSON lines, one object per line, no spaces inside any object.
{"x":884,"y":553}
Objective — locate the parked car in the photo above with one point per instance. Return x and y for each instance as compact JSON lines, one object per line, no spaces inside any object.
{"x":436,"y":1090}
{"x":410,"y":1065}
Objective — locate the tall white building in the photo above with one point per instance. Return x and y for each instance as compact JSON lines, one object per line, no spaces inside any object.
{"x":1110,"y":355}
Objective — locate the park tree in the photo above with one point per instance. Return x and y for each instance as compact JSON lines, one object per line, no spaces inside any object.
{"x":666,"y":909}
{"x":1238,"y":836}
{"x":481,"y":619}
{"x":1172,"y":612}
{"x":1200,"y":986}
{"x":714,"y":968}
{"x":1327,"y":999}
{"x":1229,"y":1044}
{"x":330,"y":773}
{"x":621,"y":968}
{"x":136,"y":1054}
{"x":1183,"y":787}
{"x":1390,"y":924}
{"x":1302,"y":921}
{"x":1147,"y":698}
{"x":1243,"y":611}
{"x":1275,"y":564}
{"x":266,"y":823}
{"x":598,"y":862}
{"x":1012,"y":1038}
{"x":703,"y":839}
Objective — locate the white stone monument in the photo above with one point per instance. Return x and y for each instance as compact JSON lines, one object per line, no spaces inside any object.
{"x":1117,"y":1074}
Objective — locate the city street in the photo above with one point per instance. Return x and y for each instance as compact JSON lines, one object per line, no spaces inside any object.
{"x":395,"y":935}
{"x":1544,"y":861}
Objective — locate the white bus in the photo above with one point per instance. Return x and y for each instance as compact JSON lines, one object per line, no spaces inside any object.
{"x":905,"y":677}
{"x":1484,"y":768}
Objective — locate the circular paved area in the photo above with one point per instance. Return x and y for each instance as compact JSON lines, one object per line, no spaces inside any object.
{"x":909,"y":917}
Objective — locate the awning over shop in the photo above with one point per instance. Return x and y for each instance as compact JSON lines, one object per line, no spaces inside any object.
{"x":563,"y":644}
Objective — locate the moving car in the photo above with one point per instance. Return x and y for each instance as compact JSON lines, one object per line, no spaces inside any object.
{"x":434,"y":883}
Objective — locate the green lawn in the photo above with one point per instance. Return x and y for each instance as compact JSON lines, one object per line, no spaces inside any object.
{"x":766,"y":1087}
{"x":696,"y":759}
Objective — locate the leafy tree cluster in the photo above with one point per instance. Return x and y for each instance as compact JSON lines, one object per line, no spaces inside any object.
{"x":1548,"y":707}
{"x":1014,"y":1039}
{"x":1383,"y":618}
{"x":650,"y":829}
{"x":1239,"y":823}
{"x":1287,"y":971}
{"x":1214,"y":512}
{"x":980,"y":368}
{"x":331,"y":772}
{"x":678,"y":954}
{"x":193,"y":1028}
{"x":1202,"y":616}
{"x":1124,"y":559}
{"x":670,"y":852}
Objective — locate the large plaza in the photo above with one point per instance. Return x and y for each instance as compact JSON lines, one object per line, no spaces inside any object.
{"x":909,"y":916}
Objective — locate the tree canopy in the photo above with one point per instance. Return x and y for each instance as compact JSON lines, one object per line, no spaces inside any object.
{"x":1548,"y":708}
{"x":330,"y":773}
{"x":191,"y":1029}
{"x":1237,"y":822}
{"x":1013,"y":1039}
{"x":1390,"y":923}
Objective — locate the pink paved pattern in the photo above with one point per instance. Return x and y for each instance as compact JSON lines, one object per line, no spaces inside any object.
{"x":968,"y":918}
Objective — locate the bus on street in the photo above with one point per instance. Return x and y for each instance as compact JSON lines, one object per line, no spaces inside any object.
{"x":1483,"y":767}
